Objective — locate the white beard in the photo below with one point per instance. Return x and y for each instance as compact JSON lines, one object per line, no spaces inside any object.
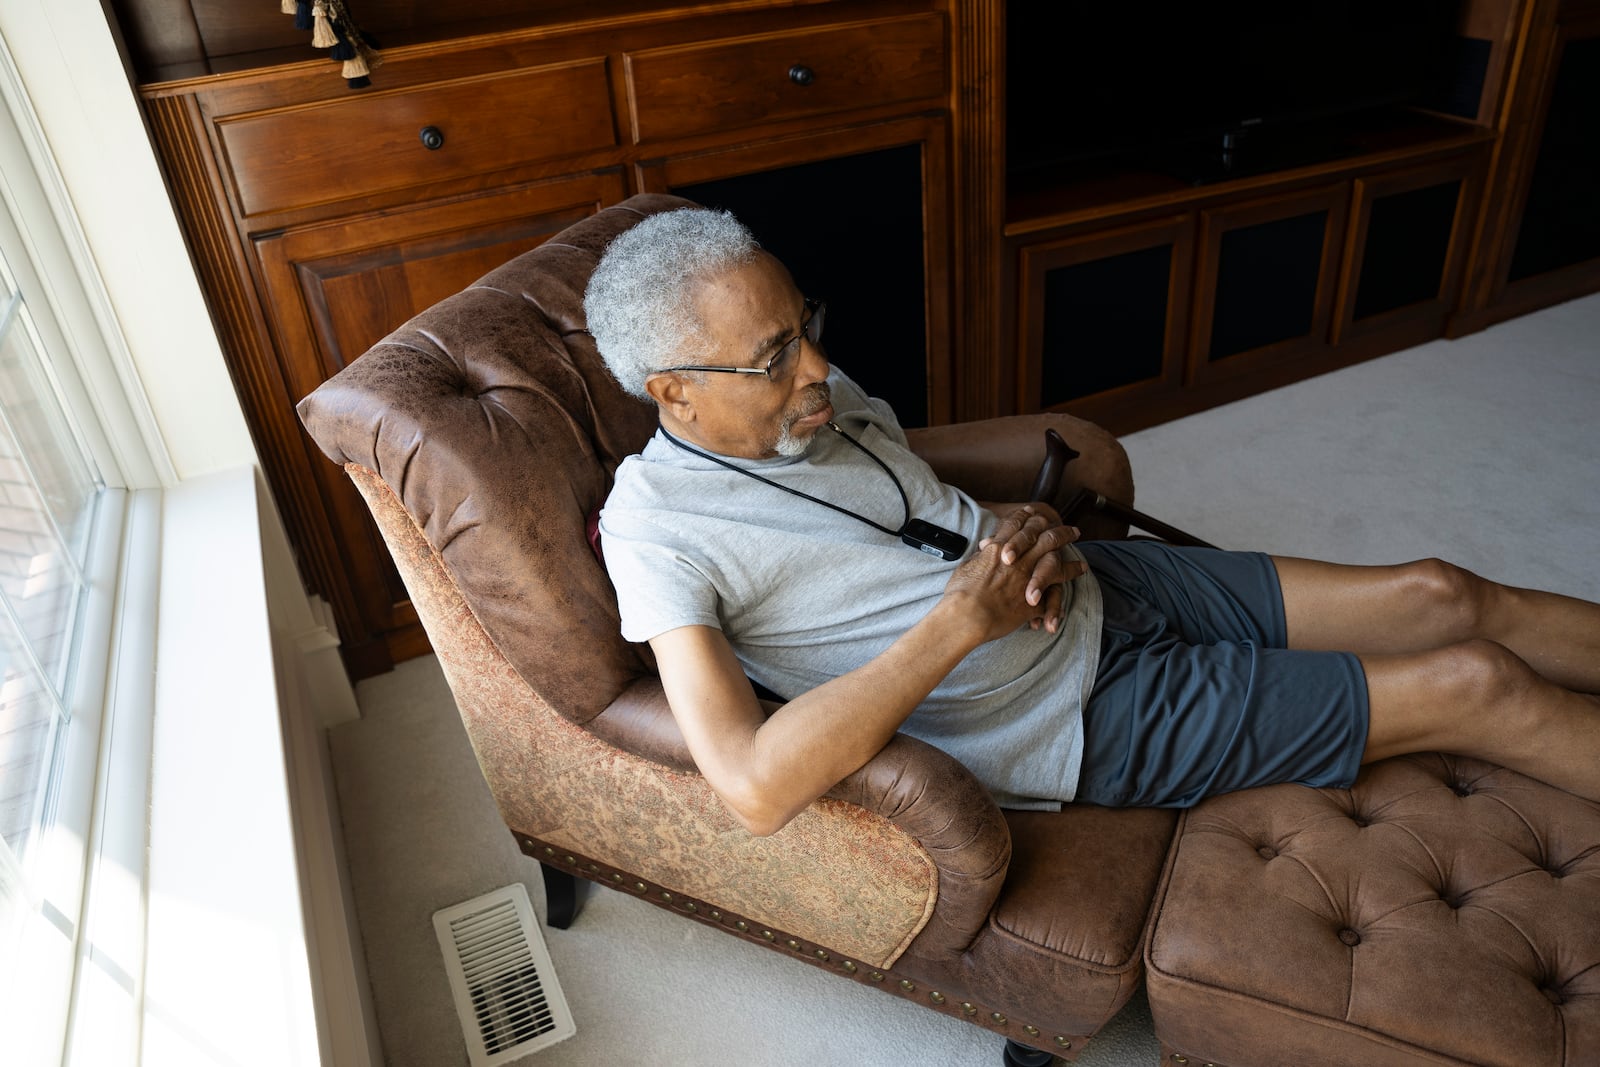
{"x":789,"y":445}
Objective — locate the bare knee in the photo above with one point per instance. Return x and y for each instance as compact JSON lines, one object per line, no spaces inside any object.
{"x":1452,"y":600}
{"x":1486,"y":674}
{"x":1463,"y":698}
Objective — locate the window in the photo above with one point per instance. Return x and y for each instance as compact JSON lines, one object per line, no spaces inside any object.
{"x":71,"y":537}
{"x":49,"y":488}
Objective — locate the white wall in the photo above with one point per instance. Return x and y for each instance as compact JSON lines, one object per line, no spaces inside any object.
{"x":90,"y":117}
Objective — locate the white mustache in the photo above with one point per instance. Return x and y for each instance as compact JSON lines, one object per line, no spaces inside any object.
{"x":825,"y":397}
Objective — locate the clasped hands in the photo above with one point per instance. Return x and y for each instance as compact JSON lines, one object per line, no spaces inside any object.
{"x":1019,"y":573}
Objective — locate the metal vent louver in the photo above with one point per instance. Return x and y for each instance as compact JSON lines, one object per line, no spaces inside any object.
{"x":501,"y":975}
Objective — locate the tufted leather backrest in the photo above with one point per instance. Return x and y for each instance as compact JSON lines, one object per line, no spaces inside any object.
{"x":494,"y":420}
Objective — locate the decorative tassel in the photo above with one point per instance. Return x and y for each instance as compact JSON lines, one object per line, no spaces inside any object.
{"x":323,"y":37}
{"x":333,"y":28}
{"x":343,"y":49}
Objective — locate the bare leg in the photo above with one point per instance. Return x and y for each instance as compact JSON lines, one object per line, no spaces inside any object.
{"x":1479,"y":699}
{"x":1455,"y":663}
{"x":1416,"y":607}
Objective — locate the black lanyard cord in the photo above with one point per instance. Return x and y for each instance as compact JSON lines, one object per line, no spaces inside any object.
{"x":904,"y":502}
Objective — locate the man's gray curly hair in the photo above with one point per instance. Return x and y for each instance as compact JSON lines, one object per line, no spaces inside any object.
{"x":638,"y":301}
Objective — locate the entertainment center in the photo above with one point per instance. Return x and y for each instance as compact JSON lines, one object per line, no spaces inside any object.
{"x":1288,"y":213}
{"x":1043,"y":238}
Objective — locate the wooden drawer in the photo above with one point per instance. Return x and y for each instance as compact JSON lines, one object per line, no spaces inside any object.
{"x":700,"y":88}
{"x":354,"y":146}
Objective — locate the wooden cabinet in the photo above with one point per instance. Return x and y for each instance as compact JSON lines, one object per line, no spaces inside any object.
{"x":1538,"y":241}
{"x":1132,"y":293}
{"x":333,"y":290}
{"x":322,"y":218}
{"x":867,"y":143}
{"x":1147,"y":308}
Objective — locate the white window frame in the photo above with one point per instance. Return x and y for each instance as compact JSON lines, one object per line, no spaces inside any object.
{"x":213,"y":774}
{"x":73,"y":991}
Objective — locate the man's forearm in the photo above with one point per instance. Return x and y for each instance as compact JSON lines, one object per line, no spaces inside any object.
{"x":820,"y":736}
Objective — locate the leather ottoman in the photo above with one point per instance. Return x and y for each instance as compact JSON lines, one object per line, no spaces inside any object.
{"x":1442,"y":910}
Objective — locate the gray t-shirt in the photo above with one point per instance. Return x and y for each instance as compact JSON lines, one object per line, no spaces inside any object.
{"x":805,"y":594}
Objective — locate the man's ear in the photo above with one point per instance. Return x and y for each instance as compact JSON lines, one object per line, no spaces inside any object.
{"x":667,"y":390}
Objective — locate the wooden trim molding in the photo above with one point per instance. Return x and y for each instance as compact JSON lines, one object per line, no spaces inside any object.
{"x":984,"y":374}
{"x":179,"y":131}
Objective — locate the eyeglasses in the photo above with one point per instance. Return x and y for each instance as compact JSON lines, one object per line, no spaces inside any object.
{"x":781,"y":365}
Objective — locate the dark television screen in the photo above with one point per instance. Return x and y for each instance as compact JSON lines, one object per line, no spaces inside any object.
{"x":1089,"y":78}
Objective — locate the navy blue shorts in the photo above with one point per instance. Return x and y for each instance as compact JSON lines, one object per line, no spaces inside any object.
{"x":1196,"y":694}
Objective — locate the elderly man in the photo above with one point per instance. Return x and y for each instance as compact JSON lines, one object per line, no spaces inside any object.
{"x":778,"y":528}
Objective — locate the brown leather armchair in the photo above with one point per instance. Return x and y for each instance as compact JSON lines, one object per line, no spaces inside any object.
{"x":483,"y":435}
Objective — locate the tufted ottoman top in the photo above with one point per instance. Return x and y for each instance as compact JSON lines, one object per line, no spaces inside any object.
{"x":1441,"y":910}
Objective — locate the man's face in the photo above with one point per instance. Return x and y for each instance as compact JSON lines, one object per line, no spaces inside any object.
{"x":750,"y":313}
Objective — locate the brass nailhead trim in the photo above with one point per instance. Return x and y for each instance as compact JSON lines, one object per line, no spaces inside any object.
{"x":715,"y":914}
{"x":769,"y":935}
{"x":849,"y":967}
{"x":1031,"y":1031}
{"x":667,"y":897}
{"x":997,"y":1018}
{"x":823,"y":956}
{"x":742,"y":926}
{"x":616,"y":877}
{"x":876,"y":976}
{"x":1064,"y":1042}
{"x":969,"y":1008}
{"x":793,"y":944}
{"x":640,"y":886}
{"x":1179,"y":1059}
{"x":936,"y":996}
{"x":690,"y":906}
{"x":570,"y":860}
{"x":548,"y":851}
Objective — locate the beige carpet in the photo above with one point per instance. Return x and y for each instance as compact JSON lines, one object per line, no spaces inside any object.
{"x":1484,"y":450}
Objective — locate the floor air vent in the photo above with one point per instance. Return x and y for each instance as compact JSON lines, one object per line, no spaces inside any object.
{"x":500,"y":972}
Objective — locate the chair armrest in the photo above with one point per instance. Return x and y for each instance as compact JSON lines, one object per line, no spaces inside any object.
{"x":996,"y":459}
{"x":925,"y":793}
{"x":942,"y":805}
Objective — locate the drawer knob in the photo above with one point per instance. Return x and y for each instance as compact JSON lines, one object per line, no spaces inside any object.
{"x":801,"y":74}
{"x":432,"y":138}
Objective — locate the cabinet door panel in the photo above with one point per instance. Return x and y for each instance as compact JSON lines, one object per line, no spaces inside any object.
{"x":860,"y":217}
{"x":1104,"y":318}
{"x":1560,"y":225}
{"x":334,"y":290}
{"x":1265,"y":282}
{"x":355,"y":298}
{"x":1407,"y":245}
